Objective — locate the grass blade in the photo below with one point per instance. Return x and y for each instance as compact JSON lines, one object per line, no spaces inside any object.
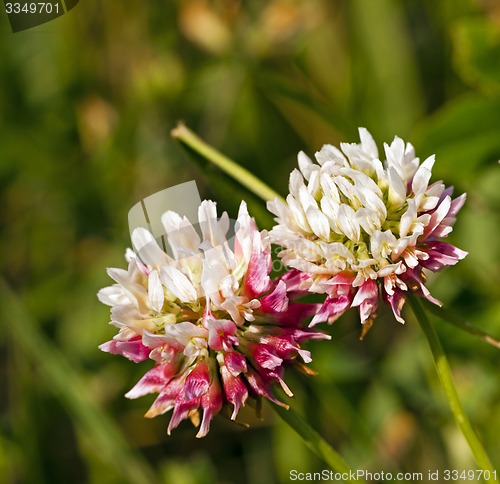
{"x":67,"y":384}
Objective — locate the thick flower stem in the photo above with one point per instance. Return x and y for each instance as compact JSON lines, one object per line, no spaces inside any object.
{"x":314,"y":441}
{"x":445,"y":376}
{"x":240,"y":174}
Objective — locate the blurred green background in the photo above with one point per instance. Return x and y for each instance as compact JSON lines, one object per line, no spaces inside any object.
{"x":87,"y":103}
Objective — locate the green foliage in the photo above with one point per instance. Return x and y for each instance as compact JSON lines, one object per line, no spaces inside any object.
{"x":464,"y":136}
{"x":477,"y":43}
{"x":87,"y":105}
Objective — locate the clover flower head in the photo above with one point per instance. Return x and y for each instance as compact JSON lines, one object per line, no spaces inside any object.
{"x":357,"y":228}
{"x":219,"y":330}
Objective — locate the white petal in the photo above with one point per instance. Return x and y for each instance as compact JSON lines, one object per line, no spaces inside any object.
{"x":395,"y":154}
{"x":298,"y":213}
{"x":305,"y":164}
{"x":422,"y":176}
{"x":363,"y":181}
{"x":313,"y":187}
{"x":329,"y":188}
{"x":185,"y":331}
{"x":296,"y":182}
{"x":346,"y":187}
{"x":129,"y":255}
{"x":155,"y":291}
{"x":318,"y":223}
{"x":400,"y":246}
{"x":382,"y":179}
{"x":119,"y":275}
{"x":330,"y":153}
{"x":368,"y":220}
{"x":358,"y":159}
{"x":280,"y":209}
{"x":347,"y":223}
{"x":124,"y":315}
{"x":376,"y":244}
{"x":114,"y":296}
{"x":135,"y":292}
{"x":367,"y":143}
{"x":148,"y":249}
{"x":306,"y":199}
{"x":330,"y":208}
{"x":408,"y":218}
{"x":181,"y":235}
{"x":397,"y":191}
{"x":153,"y":340}
{"x":178,"y":284}
{"x":244,"y":228}
{"x":389,"y":269}
{"x":244,"y":220}
{"x":428,"y":203}
{"x":213,"y":230}
{"x":215,"y":269}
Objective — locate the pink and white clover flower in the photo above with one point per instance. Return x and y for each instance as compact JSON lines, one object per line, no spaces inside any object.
{"x":359,"y":229}
{"x":219,"y":330}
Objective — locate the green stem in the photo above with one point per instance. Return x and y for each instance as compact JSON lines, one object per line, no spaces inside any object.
{"x":445,"y":376}
{"x":451,"y":318}
{"x":240,"y":174}
{"x":314,"y":441}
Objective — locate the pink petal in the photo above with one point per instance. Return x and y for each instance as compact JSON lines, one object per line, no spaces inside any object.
{"x":257,"y":278}
{"x":284,"y":347}
{"x":456,"y":205}
{"x":167,"y":398}
{"x":260,"y":387}
{"x":300,"y":335}
{"x":444,"y":228}
{"x":437,"y":216}
{"x":276,"y":301}
{"x":396,"y":301}
{"x":197,"y":382}
{"x":153,"y":381}
{"x":332,"y":309}
{"x":442,"y":254}
{"x":294,"y":279}
{"x":447,"y":249}
{"x":368,"y":310}
{"x":368,"y":290}
{"x":367,"y":300}
{"x":235,"y":390}
{"x":265,"y":356}
{"x":181,"y":412}
{"x":132,"y":349}
{"x":211,"y":403}
{"x":287,"y":348}
{"x":221,"y":334}
{"x":414,"y":276}
{"x":342,"y":278}
{"x":297,"y":313}
{"x":235,"y":363}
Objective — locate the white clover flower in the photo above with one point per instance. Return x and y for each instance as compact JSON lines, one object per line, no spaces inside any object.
{"x":356,"y":227}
